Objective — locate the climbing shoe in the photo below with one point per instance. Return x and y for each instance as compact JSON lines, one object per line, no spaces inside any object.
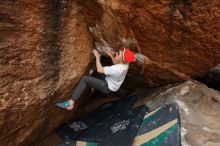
{"x":64,"y":104}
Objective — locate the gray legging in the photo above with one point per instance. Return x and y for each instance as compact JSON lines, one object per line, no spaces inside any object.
{"x":92,"y":82}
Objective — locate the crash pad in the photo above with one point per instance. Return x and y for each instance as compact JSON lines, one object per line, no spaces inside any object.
{"x":119,"y":129}
{"x":73,"y":129}
{"x":77,"y":143}
{"x":161,"y":127}
{"x":115,"y":130}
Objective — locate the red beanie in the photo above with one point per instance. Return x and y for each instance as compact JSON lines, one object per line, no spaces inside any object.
{"x":128,"y":56}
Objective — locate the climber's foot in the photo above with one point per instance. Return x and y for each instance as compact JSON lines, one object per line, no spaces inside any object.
{"x":69,"y":104}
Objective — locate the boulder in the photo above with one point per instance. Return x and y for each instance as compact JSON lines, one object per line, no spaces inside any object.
{"x":199,"y":110}
{"x":180,"y":38}
{"x":45,"y":48}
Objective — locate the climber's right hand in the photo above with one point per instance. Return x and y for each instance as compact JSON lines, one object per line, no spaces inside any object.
{"x":96,"y":53}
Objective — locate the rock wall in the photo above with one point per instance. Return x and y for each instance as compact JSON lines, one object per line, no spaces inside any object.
{"x":44,"y":50}
{"x":45,"y":47}
{"x":182,"y":36}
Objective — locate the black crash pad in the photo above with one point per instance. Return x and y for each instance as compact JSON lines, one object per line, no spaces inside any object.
{"x":78,"y":143}
{"x":116,"y":130}
{"x":72,"y":130}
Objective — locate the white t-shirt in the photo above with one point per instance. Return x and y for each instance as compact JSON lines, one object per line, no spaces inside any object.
{"x":115,"y":75}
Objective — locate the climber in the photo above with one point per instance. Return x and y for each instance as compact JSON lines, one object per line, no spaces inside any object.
{"x":114,"y":76}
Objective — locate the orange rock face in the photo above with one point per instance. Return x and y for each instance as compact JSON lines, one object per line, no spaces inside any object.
{"x":45,"y":48}
{"x":182,"y":37}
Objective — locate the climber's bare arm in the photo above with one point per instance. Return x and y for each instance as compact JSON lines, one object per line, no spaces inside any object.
{"x":99,"y":67}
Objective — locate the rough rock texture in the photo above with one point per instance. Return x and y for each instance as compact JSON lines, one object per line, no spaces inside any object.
{"x":199,"y":111}
{"x":182,"y":36}
{"x":44,"y":50}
